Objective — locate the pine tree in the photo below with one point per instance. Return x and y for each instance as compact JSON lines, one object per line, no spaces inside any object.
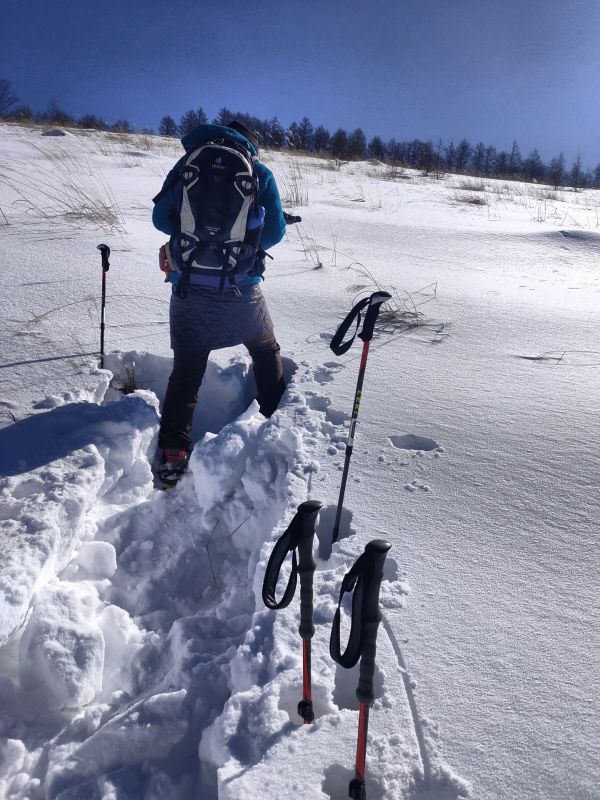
{"x":190,"y":120}
{"x":515,"y":162}
{"x":292,"y":136}
{"x":122,"y":126}
{"x":305,"y":132}
{"x":450,"y":155}
{"x":168,"y":127}
{"x":462,"y":155}
{"x":321,"y":139}
{"x":501,"y":163}
{"x":357,"y":144}
{"x":534,"y":168}
{"x":393,"y":150}
{"x":276,"y":134}
{"x":376,"y":148}
{"x":489,"y":160}
{"x":92,"y":121}
{"x":56,"y":115}
{"x":339,"y":143}
{"x":224,"y":116}
{"x":427,"y":157}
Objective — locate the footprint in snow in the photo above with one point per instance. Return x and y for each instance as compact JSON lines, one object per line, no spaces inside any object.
{"x":326,"y":372}
{"x":320,"y":403}
{"x":410,"y":441}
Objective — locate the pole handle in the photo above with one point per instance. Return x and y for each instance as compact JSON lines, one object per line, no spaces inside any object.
{"x":375,"y":302}
{"x":297,"y":539}
{"x":372,"y":304}
{"x":364,"y":580}
{"x":105,"y":252}
{"x":371,"y":617}
{"x":307,"y":524}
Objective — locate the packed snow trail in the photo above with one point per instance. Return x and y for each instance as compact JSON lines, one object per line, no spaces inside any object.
{"x":140,"y":634}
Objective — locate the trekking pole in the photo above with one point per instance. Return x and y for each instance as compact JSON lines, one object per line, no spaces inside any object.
{"x":298,"y":536}
{"x":364,"y":579}
{"x":105,"y":251}
{"x":373,"y":305}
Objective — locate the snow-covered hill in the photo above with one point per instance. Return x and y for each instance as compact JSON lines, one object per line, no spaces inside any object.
{"x":136,"y":657}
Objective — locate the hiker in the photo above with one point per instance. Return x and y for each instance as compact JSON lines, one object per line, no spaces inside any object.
{"x":221,"y":207}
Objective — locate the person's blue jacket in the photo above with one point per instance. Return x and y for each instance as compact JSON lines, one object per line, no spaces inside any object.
{"x":167,"y":203}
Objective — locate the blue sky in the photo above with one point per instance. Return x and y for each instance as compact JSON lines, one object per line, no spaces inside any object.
{"x":491,"y":70}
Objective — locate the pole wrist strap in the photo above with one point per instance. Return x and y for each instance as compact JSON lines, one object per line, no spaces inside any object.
{"x":354,"y":581}
{"x":337,"y":344}
{"x":286,"y":543}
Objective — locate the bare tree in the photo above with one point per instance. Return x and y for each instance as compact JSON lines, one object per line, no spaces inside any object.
{"x":478,"y":158}
{"x":21,"y":114}
{"x":7,"y":97}
{"x":576,"y":176}
{"x":556,"y":171}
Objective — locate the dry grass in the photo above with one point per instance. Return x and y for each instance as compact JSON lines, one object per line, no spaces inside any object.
{"x":62,"y":187}
{"x":469,"y":199}
{"x":294,"y":186}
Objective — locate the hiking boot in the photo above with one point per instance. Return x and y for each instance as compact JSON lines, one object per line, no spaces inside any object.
{"x":172,"y":466}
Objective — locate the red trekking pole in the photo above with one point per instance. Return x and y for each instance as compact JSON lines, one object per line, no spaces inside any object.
{"x":372,"y":304}
{"x":105,"y":251}
{"x":364,"y":580}
{"x":299,"y":536}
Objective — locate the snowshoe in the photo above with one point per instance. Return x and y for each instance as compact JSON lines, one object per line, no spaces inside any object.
{"x":172,"y":466}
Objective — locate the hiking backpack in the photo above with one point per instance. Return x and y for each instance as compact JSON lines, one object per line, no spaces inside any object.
{"x":220,"y":221}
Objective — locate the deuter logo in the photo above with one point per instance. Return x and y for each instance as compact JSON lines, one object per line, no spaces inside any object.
{"x":218,"y":163}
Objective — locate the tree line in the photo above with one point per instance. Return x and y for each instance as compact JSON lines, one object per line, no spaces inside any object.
{"x":428,"y":156}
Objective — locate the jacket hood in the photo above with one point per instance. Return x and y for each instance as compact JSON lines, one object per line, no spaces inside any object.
{"x":204,"y":133}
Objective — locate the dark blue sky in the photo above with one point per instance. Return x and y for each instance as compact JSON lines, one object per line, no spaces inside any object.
{"x":491,"y":70}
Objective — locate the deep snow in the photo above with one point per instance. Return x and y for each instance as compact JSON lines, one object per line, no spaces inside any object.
{"x":136,"y":658}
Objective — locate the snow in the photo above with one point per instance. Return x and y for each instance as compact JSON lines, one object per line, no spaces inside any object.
{"x":137,"y":659}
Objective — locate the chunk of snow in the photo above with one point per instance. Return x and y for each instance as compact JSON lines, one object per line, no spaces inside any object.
{"x":61,"y":655}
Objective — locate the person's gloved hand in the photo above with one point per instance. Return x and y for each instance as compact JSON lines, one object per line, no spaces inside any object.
{"x":164,"y":261}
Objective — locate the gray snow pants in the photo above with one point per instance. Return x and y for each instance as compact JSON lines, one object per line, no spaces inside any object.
{"x":189,"y":365}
